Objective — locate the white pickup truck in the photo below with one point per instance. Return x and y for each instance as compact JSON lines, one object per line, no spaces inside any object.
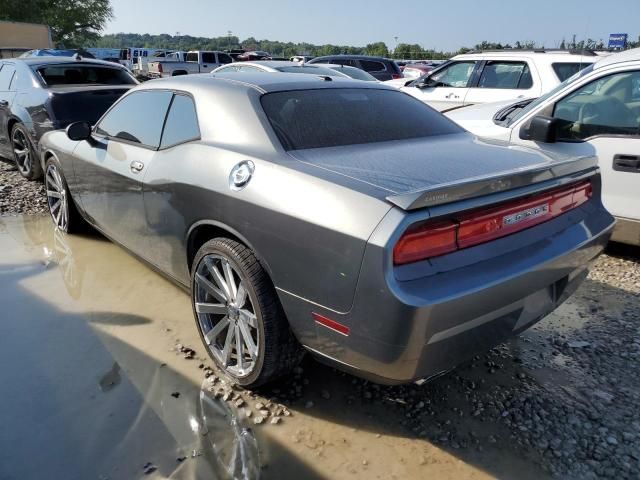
{"x":179,"y":63}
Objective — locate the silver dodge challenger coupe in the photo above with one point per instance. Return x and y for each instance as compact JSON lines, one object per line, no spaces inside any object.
{"x":343,"y":218}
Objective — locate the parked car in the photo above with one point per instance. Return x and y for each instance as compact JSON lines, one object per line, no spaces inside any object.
{"x":195,"y":62}
{"x":381,"y":68}
{"x":352,"y":72}
{"x":141,"y":66}
{"x":51,"y":52}
{"x":492,"y":76}
{"x":39,"y":94}
{"x":252,"y":56}
{"x":416,"y":70}
{"x":595,"y":112}
{"x":335,"y":216}
{"x":301,"y":58}
{"x":275,"y":66}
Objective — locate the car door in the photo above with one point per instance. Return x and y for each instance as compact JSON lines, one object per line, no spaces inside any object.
{"x":602,"y":117}
{"x":7,"y":97}
{"x":502,"y":80}
{"x":110,"y":168}
{"x":208,"y":62}
{"x":447,"y":87}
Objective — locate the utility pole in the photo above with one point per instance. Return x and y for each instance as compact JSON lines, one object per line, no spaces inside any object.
{"x":229,"y":32}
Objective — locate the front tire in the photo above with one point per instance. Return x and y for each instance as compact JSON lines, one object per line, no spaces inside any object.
{"x":238,"y":315}
{"x":24,"y":154}
{"x":62,"y":209}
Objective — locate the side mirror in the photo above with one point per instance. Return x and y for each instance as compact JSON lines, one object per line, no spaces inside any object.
{"x":541,"y":129}
{"x":79,"y":131}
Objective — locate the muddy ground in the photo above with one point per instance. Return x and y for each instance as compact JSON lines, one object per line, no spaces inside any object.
{"x":98,"y":382}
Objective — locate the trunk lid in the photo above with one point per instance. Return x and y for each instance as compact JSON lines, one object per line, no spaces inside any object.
{"x":432,"y":171}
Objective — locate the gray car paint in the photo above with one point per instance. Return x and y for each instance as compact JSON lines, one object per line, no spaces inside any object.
{"x":325,"y":231}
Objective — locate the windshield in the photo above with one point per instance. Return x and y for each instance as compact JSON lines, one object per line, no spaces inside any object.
{"x":540,"y":100}
{"x":354,"y":72}
{"x":74,"y":74}
{"x":334,"y":117}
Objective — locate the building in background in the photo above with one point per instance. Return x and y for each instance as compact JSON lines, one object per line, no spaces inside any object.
{"x":18,"y":37}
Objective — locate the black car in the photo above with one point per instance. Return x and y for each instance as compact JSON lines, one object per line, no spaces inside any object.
{"x":39,"y":94}
{"x":381,"y":68}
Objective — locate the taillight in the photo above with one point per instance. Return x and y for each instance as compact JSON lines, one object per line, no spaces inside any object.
{"x":431,"y":239}
{"x":396,"y":76}
{"x":425,"y":240}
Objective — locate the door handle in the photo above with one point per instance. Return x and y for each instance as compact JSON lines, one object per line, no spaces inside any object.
{"x":452,"y":95}
{"x":136,"y":167}
{"x":626,"y":163}
{"x":4,"y":103}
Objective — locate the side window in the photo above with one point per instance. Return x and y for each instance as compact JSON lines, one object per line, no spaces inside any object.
{"x":137,"y":118}
{"x":344,"y":61}
{"x":192,"y":57}
{"x":566,"y":70}
{"x":208,"y":57}
{"x":182,"y":122}
{"x":224,"y":58}
{"x":371,"y":66}
{"x":455,"y":75}
{"x":508,"y":75}
{"x":230,"y":68}
{"x":6,"y":75}
{"x":607,"y":106}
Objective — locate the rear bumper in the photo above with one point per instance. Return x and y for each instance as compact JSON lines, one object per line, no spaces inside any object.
{"x":626,"y":231}
{"x":402,"y":331}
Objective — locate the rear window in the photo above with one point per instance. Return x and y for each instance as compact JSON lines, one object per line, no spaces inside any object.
{"x":566,"y":70}
{"x":73,"y":74}
{"x":335,"y":117}
{"x":371,"y":66}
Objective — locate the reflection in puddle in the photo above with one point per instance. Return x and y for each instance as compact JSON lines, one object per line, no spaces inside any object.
{"x":110,"y":379}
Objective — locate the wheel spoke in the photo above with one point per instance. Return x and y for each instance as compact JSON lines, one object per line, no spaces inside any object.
{"x":210,"y":288}
{"x":239,"y":348}
{"x":248,"y":339}
{"x":212,"y":334}
{"x":54,"y":194}
{"x":226,"y":351}
{"x":230,"y":281}
{"x":55,"y":206}
{"x":20,"y":152}
{"x":249,"y":317}
{"x":241,"y":296}
{"x":218,"y":279}
{"x":214,"y":308}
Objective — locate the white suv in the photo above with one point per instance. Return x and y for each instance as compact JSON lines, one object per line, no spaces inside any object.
{"x":595,"y":112}
{"x":490,"y":76}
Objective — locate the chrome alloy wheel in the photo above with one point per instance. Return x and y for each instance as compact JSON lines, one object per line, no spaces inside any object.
{"x":226,"y":315}
{"x":22,"y":151}
{"x":57,"y":198}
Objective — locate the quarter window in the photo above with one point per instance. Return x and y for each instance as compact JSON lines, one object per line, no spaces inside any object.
{"x":455,"y":75}
{"x":6,"y":74}
{"x":607,"y":106}
{"x":508,"y":75}
{"x":566,"y":70}
{"x":137,"y":118}
{"x":224,"y":58}
{"x":182,"y":122}
{"x":371,"y":66}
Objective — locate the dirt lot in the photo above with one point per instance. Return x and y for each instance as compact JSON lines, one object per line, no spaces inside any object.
{"x":99,"y":382}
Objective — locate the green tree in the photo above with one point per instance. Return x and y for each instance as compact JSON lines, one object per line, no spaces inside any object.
{"x":377,"y":49}
{"x":74,"y":23}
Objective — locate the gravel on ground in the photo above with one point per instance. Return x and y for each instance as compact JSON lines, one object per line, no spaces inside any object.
{"x":18,"y":195}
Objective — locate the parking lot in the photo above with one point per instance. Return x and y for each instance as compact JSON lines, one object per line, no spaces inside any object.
{"x":130,"y":395}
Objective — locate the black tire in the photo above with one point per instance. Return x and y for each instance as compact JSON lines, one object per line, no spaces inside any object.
{"x":74,"y":221}
{"x":278,"y":350}
{"x":28,"y":162}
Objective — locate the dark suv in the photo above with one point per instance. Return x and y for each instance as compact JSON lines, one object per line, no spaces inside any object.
{"x":379,"y":67}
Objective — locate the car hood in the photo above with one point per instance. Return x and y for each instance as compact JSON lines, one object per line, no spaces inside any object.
{"x":478,"y":119}
{"x":399,"y":167}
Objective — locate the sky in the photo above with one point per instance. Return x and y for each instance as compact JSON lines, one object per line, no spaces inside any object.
{"x":442,"y":25}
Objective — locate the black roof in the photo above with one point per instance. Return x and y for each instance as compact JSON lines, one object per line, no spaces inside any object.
{"x":40,"y":61}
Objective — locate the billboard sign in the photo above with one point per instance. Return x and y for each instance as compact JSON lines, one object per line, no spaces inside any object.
{"x":618,"y":40}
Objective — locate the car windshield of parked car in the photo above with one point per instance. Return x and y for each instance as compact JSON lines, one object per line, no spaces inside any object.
{"x":334,"y":117}
{"x":354,"y":72}
{"x":542,"y":99}
{"x":74,"y":74}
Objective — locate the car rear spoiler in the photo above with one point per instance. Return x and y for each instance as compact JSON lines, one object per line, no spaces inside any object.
{"x":568,"y":170}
